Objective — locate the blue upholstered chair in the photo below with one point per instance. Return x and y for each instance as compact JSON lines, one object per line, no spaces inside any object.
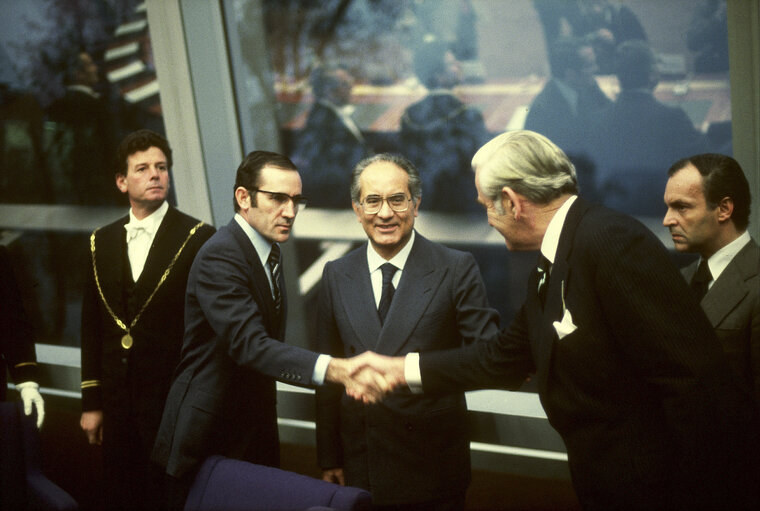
{"x":227,"y":484}
{"x":23,"y":486}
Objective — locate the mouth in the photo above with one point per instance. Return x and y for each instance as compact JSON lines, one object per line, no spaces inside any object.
{"x":386,"y":228}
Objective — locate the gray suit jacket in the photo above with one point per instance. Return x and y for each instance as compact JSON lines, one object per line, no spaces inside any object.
{"x":733,"y":307}
{"x":222,"y":400}
{"x":409,"y":448}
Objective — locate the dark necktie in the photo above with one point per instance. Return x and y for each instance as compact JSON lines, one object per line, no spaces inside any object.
{"x":274,"y":268}
{"x":385,"y":299}
{"x":701,"y":279}
{"x":543,"y":270}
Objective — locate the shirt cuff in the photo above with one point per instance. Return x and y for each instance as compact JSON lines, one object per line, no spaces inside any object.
{"x":412,"y":372}
{"x":320,"y":369}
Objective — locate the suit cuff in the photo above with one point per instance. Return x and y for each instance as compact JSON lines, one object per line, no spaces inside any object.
{"x":320,"y":369}
{"x":412,"y":372}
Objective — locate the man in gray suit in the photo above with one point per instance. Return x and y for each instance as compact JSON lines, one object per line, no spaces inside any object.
{"x":708,"y":202}
{"x":222,"y":400}
{"x":396,"y":294}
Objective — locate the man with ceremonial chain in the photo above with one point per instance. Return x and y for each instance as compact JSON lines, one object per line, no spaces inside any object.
{"x":132,"y":320}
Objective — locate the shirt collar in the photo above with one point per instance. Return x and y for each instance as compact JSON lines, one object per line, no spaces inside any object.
{"x":261,"y":245}
{"x":375,"y":260}
{"x":553,"y":231}
{"x":720,"y":259}
{"x":151,"y":222}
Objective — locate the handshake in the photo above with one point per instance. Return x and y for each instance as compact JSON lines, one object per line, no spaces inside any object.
{"x":367,"y":377}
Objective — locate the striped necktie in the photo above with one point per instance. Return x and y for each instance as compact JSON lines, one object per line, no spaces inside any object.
{"x":275,"y":270}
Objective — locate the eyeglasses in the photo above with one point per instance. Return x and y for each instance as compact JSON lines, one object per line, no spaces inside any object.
{"x":281,"y":199}
{"x":374,"y":203}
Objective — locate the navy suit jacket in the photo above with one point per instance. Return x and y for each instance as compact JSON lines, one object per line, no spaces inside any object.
{"x":409,"y":448}
{"x":222,"y":399}
{"x":641,"y":392}
{"x":732,"y":305}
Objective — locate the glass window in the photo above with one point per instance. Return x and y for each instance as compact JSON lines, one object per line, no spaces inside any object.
{"x":75,"y":77}
{"x":626,"y":88}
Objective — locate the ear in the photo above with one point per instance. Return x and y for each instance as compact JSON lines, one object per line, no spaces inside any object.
{"x":725,"y":209}
{"x":417,"y":206}
{"x":121,"y":183}
{"x":243,"y":198}
{"x":511,"y":202}
{"x":358,"y":211}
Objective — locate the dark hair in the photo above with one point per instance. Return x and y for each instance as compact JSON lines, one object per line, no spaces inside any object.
{"x":140,"y":140}
{"x":249,"y":171}
{"x":564,"y":55}
{"x":415,"y":184}
{"x":634,"y":64}
{"x":722,"y":176}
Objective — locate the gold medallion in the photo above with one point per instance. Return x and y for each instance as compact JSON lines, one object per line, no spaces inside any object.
{"x":126,"y":341}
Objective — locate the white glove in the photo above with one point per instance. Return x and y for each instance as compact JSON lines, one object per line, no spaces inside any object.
{"x":30,"y":393}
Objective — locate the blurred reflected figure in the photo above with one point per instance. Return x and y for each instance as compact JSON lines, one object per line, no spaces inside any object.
{"x":708,"y":201}
{"x":707,"y":37}
{"x":635,"y":139}
{"x":440,"y":133}
{"x":79,"y":139}
{"x":331,"y":143}
{"x":601,"y":23}
{"x":563,"y":108}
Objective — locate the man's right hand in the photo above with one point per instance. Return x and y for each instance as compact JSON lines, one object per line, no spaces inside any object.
{"x":92,"y":424}
{"x":334,"y":475}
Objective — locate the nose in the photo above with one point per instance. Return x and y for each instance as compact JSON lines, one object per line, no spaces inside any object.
{"x":289,"y":209}
{"x":385,"y":210}
{"x":668,"y":221}
{"x":154,"y":171}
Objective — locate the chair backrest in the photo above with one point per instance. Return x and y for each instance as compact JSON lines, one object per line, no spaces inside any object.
{"x":228,"y":484}
{"x":22,"y":482}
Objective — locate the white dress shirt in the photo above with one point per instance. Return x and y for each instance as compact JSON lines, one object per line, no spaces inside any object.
{"x":263,"y":247}
{"x":375,"y":261}
{"x":723,"y":257}
{"x":140,"y":235}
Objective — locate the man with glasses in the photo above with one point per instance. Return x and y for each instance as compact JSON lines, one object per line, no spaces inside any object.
{"x":222,"y":399}
{"x":398,"y":293}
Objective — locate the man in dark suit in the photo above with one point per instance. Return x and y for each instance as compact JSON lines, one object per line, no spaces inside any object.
{"x":17,"y":354}
{"x":633,"y":140}
{"x":441,"y":124}
{"x":438,"y":301}
{"x":331,"y":142}
{"x":222,"y":399}
{"x":627,"y":366}
{"x":563,"y":108}
{"x":132,"y":311}
{"x":708,"y":202}
{"x":82,"y":138}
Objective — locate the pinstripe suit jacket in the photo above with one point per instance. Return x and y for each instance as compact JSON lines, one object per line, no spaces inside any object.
{"x":640,"y":392}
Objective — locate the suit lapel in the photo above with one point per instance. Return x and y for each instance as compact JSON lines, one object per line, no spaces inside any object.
{"x":358,"y":299}
{"x":542,"y":332}
{"x":111,"y":255}
{"x":165,"y":244}
{"x":416,"y":288}
{"x":731,"y":288}
{"x":261,"y":290}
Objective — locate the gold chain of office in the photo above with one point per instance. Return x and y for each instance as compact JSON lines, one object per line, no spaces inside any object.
{"x":126,"y":340}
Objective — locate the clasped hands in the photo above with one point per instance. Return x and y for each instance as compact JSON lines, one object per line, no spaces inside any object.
{"x":367,"y":377}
